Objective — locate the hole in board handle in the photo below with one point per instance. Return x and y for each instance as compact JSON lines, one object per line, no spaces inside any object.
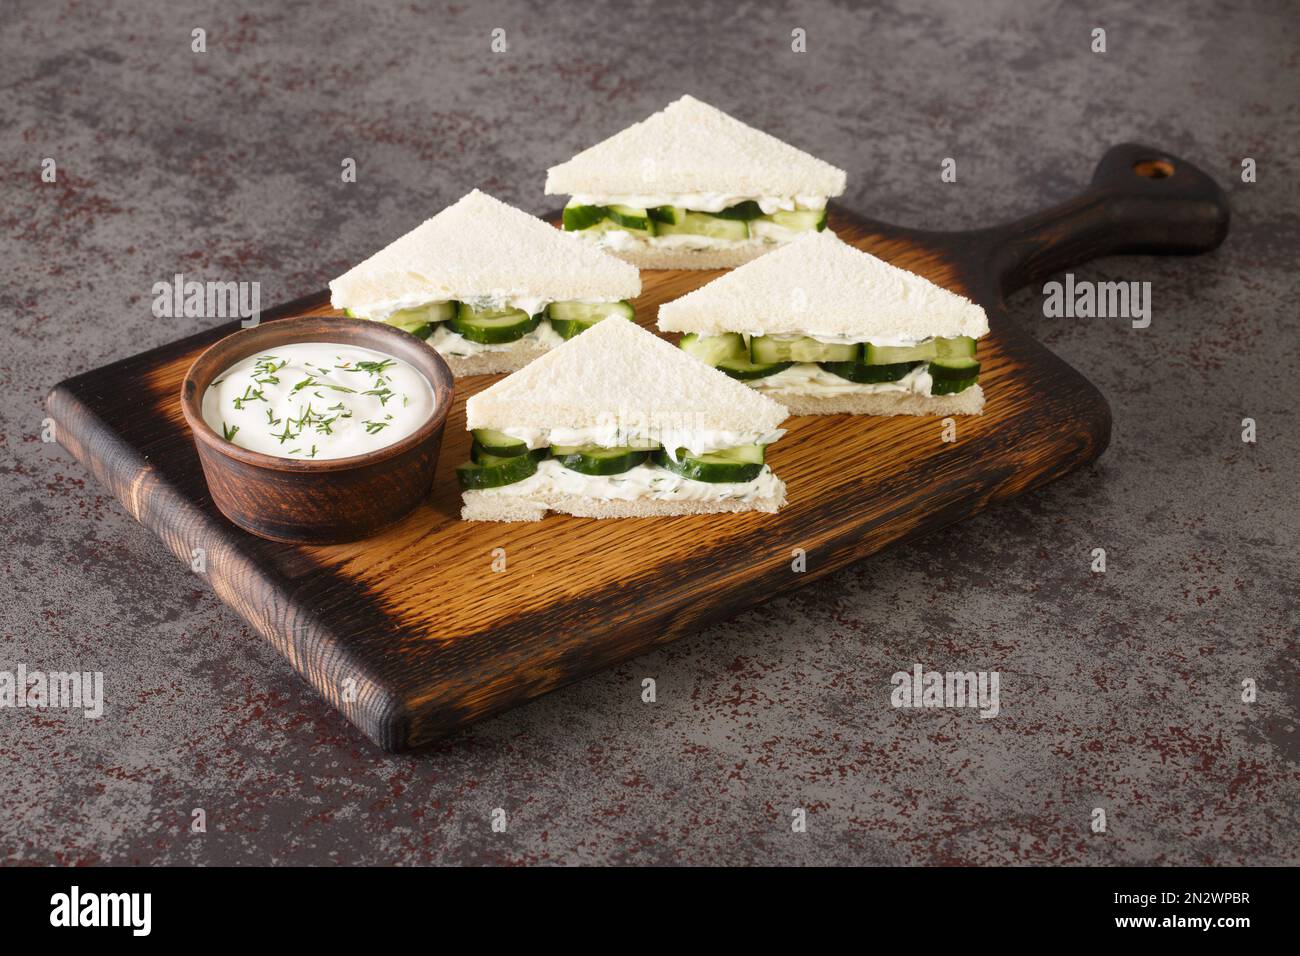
{"x":1154,"y":168}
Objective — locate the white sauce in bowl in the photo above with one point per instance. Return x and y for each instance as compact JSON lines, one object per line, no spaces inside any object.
{"x":317,"y":401}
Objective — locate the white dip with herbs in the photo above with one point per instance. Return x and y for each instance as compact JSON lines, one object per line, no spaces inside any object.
{"x":317,"y":400}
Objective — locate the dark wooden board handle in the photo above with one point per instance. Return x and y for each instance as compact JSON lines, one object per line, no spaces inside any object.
{"x":1140,"y":200}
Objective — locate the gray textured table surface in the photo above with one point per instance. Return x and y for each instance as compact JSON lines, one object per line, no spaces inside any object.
{"x":1120,"y":692}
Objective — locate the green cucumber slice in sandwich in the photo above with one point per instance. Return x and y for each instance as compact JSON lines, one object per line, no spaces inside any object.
{"x":742,"y":463}
{"x":799,"y":220}
{"x":481,"y":456}
{"x":746,"y":370}
{"x":713,"y":349}
{"x":499,"y":443}
{"x":501,"y":471}
{"x":631,"y":218}
{"x":493,"y":326}
{"x":570,"y":318}
{"x":893,"y":354}
{"x":961,"y":346}
{"x":577,"y":218}
{"x":869,"y":374}
{"x":605,"y":218}
{"x":742,"y":210}
{"x":702,"y":224}
{"x":596,"y":460}
{"x":769,"y":349}
{"x":419,"y":321}
{"x":953,"y":374}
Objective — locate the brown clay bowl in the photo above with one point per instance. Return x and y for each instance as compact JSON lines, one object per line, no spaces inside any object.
{"x":317,"y":502}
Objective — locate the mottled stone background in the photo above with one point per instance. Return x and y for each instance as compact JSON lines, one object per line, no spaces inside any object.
{"x":1120,"y":692}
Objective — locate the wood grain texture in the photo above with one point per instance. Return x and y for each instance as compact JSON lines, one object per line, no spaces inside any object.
{"x":411,"y":634}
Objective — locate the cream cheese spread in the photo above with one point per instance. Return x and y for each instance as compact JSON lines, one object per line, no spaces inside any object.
{"x":616,"y":434}
{"x":381,"y":310}
{"x":702,"y":202}
{"x":807,"y":378}
{"x":883,"y":340}
{"x":648,"y":482}
{"x":446,"y":342}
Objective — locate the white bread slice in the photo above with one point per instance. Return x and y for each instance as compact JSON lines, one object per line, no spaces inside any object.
{"x":498,"y":360}
{"x":969,"y":401}
{"x":486,"y":506}
{"x":618,"y":368}
{"x":478,"y":247}
{"x":691,"y":147}
{"x":819,"y":285}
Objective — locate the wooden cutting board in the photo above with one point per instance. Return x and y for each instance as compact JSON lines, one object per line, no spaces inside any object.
{"x":412,"y":633}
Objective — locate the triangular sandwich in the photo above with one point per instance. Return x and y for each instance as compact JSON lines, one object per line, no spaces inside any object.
{"x":825,"y":328}
{"x":693,"y":188}
{"x":618,"y":423}
{"x":487,"y":285}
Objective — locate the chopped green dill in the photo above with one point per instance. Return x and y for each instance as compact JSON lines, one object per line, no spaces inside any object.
{"x":229,"y":432}
{"x":311,"y":382}
{"x":250,"y":395}
{"x":374,"y":427}
{"x":265,"y":369}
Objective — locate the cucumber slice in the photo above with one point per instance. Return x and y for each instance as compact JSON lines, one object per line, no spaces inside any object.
{"x":702,"y":224}
{"x":577,"y":218}
{"x":493,"y":326}
{"x":481,"y":456}
{"x":893,"y":354}
{"x":666,"y":214}
{"x":869,"y":374}
{"x":421,"y":332}
{"x":962,"y":346}
{"x":595,"y":460}
{"x":802,"y":220}
{"x":498,"y":443}
{"x":951,"y":386}
{"x":631,"y":218}
{"x":608,"y":218}
{"x":952,"y":375}
{"x":742,"y":210}
{"x":767,"y":349}
{"x":955,"y":368}
{"x":747,"y":371}
{"x":730,"y":464}
{"x":570,"y":318}
{"x":750,"y":454}
{"x":503,"y":471}
{"x":712,"y":349}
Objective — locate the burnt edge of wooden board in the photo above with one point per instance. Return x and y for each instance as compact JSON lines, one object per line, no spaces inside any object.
{"x":173,"y":502}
